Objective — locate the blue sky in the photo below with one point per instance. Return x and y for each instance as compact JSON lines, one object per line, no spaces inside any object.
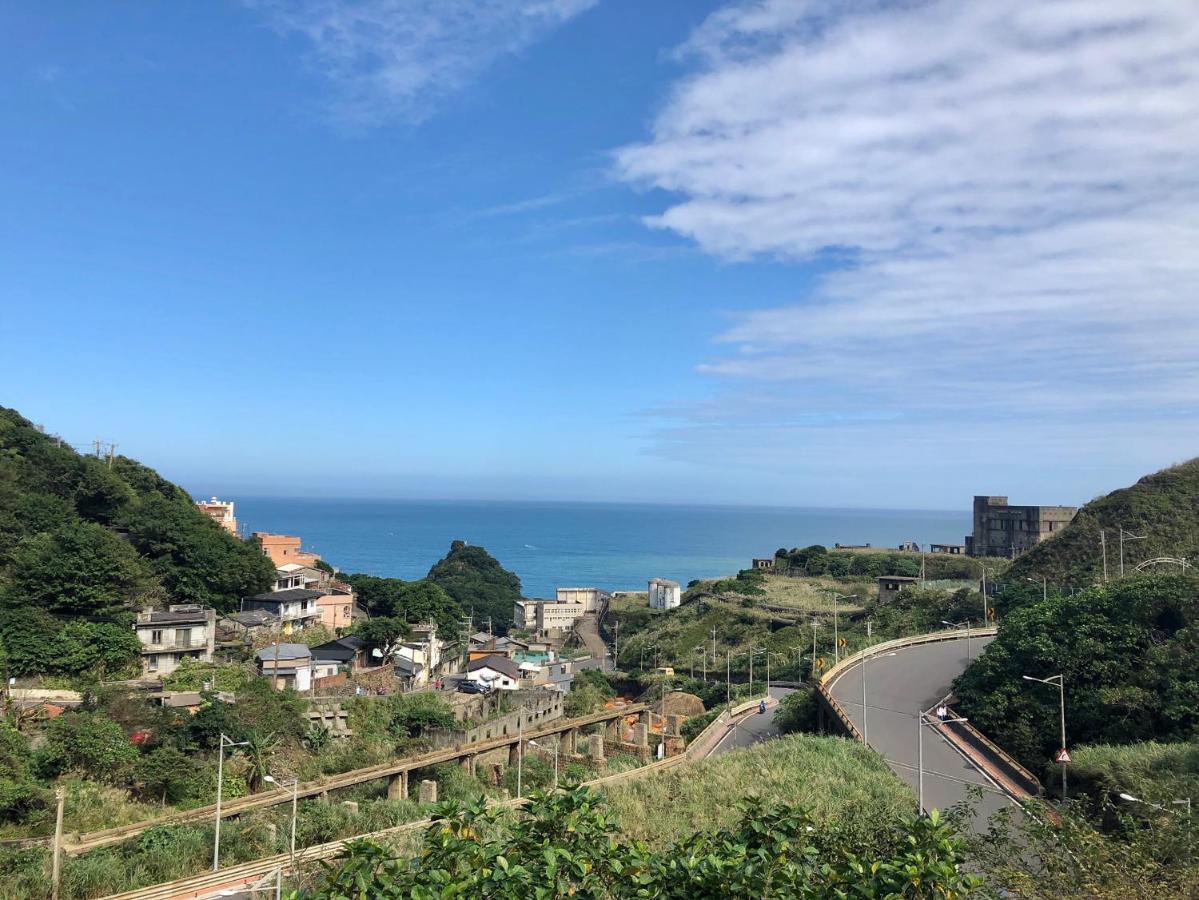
{"x":773,"y":252}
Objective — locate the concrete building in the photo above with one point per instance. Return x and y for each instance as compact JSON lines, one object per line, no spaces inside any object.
{"x":496,"y":671}
{"x":952,"y":549}
{"x":287,"y":665}
{"x":592,"y":599}
{"x":558,"y":617}
{"x":664,"y":594}
{"x":295,"y":608}
{"x":183,"y":631}
{"x":889,"y":586}
{"x":762,"y":563}
{"x":220,"y":512}
{"x":1004,"y":530}
{"x":283,"y":549}
{"x":524,"y":613}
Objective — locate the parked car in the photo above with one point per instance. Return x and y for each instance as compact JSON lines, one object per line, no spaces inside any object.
{"x":469,"y":686}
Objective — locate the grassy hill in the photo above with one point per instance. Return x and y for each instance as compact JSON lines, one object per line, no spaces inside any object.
{"x":1162,"y":507}
{"x":84,"y":541}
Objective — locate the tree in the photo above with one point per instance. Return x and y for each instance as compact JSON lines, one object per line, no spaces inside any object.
{"x":78,"y":569}
{"x":475,"y":580}
{"x":166,"y":775}
{"x":90,"y":743}
{"x":413,"y":714}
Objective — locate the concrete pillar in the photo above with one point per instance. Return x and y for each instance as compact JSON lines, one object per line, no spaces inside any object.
{"x":572,"y":741}
{"x":673,"y":723}
{"x":468,"y":764}
{"x":643,"y":718}
{"x":427,"y":792}
{"x":595,"y":746}
{"x":271,"y":831}
{"x":351,"y":806}
{"x":397,"y":786}
{"x":640,"y":735}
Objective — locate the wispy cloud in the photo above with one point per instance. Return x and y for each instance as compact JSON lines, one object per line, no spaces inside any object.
{"x":1012,"y":188}
{"x":395,"y":59}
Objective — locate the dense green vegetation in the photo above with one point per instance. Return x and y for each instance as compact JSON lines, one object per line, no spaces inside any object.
{"x":567,"y":844}
{"x":409,"y":601}
{"x":480,"y":585}
{"x":1163,"y":508}
{"x":83,"y":541}
{"x":1128,"y":651}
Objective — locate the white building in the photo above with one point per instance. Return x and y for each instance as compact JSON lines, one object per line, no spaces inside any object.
{"x":590,"y":598}
{"x":553,"y":617}
{"x":183,"y":631}
{"x":221,"y":512}
{"x":423,"y":654}
{"x":495,"y":671}
{"x":287,"y":665}
{"x":664,"y":594}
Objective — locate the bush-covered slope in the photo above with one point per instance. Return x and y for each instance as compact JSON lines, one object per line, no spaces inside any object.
{"x":1129,"y":652}
{"x":474,"y":578}
{"x":1163,"y":507}
{"x":83,"y":542}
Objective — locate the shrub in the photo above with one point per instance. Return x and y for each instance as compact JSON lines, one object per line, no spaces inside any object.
{"x":89,"y":743}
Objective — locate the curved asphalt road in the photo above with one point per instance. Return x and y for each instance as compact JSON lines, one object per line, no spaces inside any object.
{"x":897,"y":686}
{"x":753,"y":728}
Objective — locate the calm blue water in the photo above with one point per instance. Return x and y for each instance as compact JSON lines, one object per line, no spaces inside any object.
{"x":611,"y":546}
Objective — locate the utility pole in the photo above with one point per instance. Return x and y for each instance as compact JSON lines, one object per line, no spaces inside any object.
{"x":1132,"y":537}
{"x":728,"y":678}
{"x":1103,"y":550}
{"x":616,"y":647}
{"x":96,"y":444}
{"x":813,"y":648}
{"x":714,"y":657}
{"x":112,"y":452}
{"x":60,"y":796}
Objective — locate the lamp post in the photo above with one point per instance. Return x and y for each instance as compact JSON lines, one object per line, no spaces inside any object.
{"x":1060,"y":681}
{"x":1044,"y":582}
{"x":294,"y":784}
{"x":728,"y":678}
{"x":966,"y":625}
{"x":555,"y":749}
{"x":865,"y":729}
{"x":220,"y":783}
{"x":1185,"y":802}
{"x":765,"y":653}
{"x":920,"y":725}
{"x":814,"y":626}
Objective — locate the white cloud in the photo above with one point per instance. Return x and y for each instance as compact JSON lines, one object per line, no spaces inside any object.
{"x":1011,"y":190}
{"x":397,"y":58}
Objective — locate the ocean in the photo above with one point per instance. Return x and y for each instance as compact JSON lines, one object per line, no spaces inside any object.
{"x":615,"y":546}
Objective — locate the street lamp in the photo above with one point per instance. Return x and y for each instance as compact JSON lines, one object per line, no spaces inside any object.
{"x":220,"y":783}
{"x":555,"y":749}
{"x":294,"y":784}
{"x":966,"y":625}
{"x":865,"y":730}
{"x":1185,"y":802}
{"x":1060,"y":681}
{"x":765,"y":653}
{"x":920,"y":725}
{"x":1044,"y":582}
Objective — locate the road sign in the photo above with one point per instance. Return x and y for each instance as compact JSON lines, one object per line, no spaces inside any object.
{"x":819,"y":662}
{"x":1063,"y":756}
{"x":841,"y":642}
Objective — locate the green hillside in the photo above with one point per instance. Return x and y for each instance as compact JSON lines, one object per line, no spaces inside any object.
{"x":479,"y":584}
{"x":84,"y":542}
{"x":1163,"y":507}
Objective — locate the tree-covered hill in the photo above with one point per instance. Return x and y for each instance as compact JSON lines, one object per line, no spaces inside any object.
{"x":1129,"y":652}
{"x":474,"y":578}
{"x":83,"y":542}
{"x":1162,"y":507}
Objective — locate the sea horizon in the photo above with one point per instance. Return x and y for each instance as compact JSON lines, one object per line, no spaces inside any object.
{"x":556,"y":543}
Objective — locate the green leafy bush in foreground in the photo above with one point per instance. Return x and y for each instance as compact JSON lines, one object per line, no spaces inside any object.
{"x":567,"y":845}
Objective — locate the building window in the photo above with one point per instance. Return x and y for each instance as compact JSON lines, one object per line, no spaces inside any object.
{"x":156,"y":636}
{"x":183,"y":637}
{"x":153,"y":663}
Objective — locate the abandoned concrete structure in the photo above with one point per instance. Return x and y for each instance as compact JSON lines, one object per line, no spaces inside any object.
{"x":1003,"y":530}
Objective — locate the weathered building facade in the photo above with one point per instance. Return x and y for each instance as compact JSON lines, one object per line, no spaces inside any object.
{"x":1004,"y":530}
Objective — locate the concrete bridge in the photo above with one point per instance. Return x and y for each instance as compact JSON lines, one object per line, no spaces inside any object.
{"x":569,"y":731}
